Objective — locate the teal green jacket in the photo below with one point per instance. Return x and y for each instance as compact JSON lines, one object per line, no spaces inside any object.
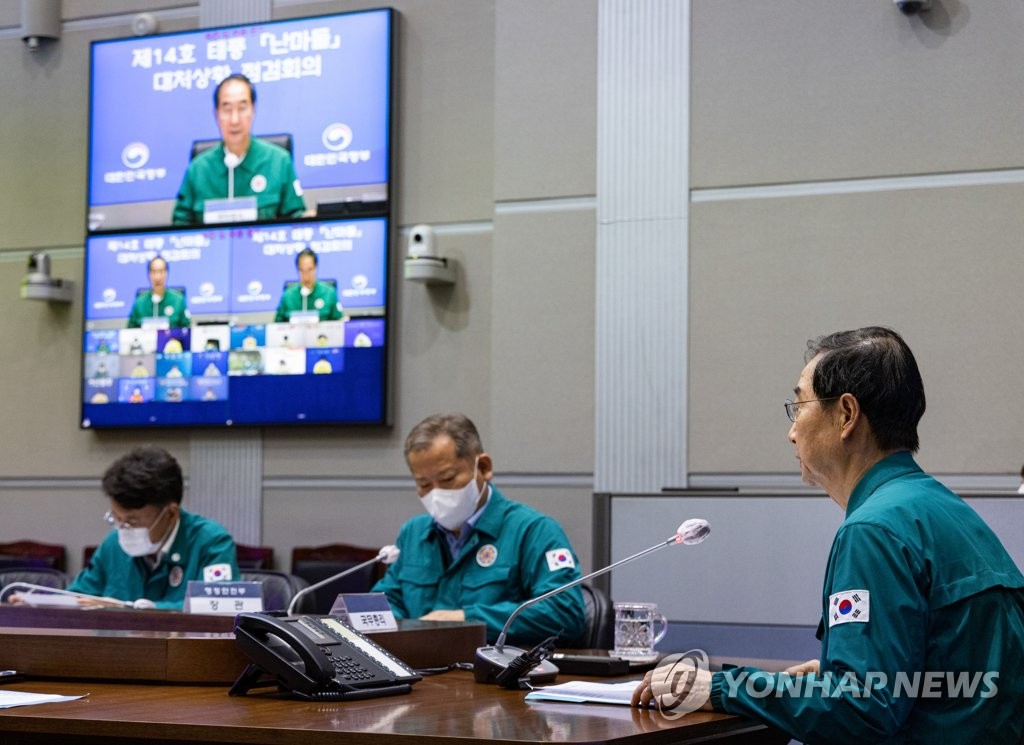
{"x":503,"y":563}
{"x":171,"y":306}
{"x":266,"y":173}
{"x":937,"y":601}
{"x":323,"y":298}
{"x":200,"y":543}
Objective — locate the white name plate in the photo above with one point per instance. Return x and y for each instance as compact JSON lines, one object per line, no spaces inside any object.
{"x":223,"y":597}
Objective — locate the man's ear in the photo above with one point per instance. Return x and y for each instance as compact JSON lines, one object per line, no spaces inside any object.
{"x":849,"y":414}
{"x":485,"y":466}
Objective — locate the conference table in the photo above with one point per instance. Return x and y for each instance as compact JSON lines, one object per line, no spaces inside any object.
{"x":449,"y":709}
{"x":127,"y":698}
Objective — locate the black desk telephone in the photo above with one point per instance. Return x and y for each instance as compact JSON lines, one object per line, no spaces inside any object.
{"x":318,"y":658}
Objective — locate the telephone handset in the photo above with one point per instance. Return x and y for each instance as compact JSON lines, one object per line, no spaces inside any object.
{"x":317,"y":658}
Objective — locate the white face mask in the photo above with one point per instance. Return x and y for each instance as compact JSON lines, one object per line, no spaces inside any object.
{"x":135,"y":541}
{"x":450,"y":508}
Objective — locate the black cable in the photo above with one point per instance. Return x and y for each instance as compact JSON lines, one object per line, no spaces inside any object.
{"x":445,"y":668}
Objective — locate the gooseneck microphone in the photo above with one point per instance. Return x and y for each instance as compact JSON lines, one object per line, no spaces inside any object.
{"x":492,"y":661}
{"x":386,"y":555}
{"x":231,"y":161}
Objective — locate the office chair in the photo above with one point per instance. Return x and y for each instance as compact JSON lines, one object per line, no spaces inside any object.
{"x":316,"y":563}
{"x":600,"y":629}
{"x":254,"y":557}
{"x":32,"y":554}
{"x":281,"y":140}
{"x":279,"y":588}
{"x":292,"y":282}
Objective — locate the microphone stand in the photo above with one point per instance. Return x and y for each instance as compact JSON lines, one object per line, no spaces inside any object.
{"x":313,"y":588}
{"x":493,"y":664}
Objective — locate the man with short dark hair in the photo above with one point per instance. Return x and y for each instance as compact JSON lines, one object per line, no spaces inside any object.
{"x":258,"y":169}
{"x":476,"y":555}
{"x":159,"y":301}
{"x":922,"y":630}
{"x":310,"y":294}
{"x":156,"y":547}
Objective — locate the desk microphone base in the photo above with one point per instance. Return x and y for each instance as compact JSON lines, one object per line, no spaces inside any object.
{"x":491,"y":662}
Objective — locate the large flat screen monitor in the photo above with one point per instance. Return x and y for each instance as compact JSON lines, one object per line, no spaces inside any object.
{"x":230,"y":288}
{"x":323,"y":90}
{"x":244,"y":325}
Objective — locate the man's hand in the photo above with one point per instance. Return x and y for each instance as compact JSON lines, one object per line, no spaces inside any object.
{"x":657,"y":686}
{"x":804,"y":668}
{"x":445,"y":615}
{"x":99,"y":602}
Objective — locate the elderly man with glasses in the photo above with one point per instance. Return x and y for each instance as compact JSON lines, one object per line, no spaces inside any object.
{"x":156,"y":547}
{"x":922,"y":627}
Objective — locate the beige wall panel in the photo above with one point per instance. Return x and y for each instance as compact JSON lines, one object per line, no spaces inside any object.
{"x":10,"y":15}
{"x":372,"y":518}
{"x":543,"y":341}
{"x":70,"y":517}
{"x":445,"y":132}
{"x":545,"y":89}
{"x":942,"y":266}
{"x":801,"y":90}
{"x":443,"y":347}
{"x":445,"y":136}
{"x":40,"y":381}
{"x":80,"y":9}
{"x":44,"y":137}
{"x":43,"y":142}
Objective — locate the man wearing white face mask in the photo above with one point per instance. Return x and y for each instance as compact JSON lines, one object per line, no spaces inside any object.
{"x":156,"y":547}
{"x":476,"y":555}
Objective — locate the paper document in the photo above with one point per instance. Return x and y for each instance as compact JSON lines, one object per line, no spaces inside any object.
{"x":581,"y":692}
{"x":48,"y":600}
{"x":21,"y":698}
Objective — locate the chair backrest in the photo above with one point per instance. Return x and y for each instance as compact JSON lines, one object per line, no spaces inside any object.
{"x":316,"y":563}
{"x":254,"y":557}
{"x":35,"y":575}
{"x":281,"y":140}
{"x":279,"y":588}
{"x":32,"y":554}
{"x":289,"y":283}
{"x":600,"y":629}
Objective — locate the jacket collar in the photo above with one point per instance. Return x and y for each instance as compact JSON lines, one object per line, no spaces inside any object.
{"x":885,"y":470}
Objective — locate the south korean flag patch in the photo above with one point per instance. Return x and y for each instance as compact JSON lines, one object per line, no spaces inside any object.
{"x":217,"y":573}
{"x":852,"y":606}
{"x":559,"y":558}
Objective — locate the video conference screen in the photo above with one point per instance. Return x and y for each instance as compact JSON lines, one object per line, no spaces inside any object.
{"x":237,"y":249}
{"x":229,"y":336}
{"x":323,"y":89}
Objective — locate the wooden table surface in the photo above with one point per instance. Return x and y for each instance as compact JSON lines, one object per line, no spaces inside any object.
{"x":449,"y":708}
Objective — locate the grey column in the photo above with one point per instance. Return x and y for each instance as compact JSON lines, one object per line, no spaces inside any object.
{"x":226,"y":471}
{"x":642,"y":245}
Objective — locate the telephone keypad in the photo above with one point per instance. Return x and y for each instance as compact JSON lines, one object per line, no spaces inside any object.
{"x":346,"y":667}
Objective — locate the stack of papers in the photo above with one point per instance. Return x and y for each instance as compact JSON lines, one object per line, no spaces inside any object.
{"x":582,"y":692}
{"x":21,"y":698}
{"x":48,"y":600}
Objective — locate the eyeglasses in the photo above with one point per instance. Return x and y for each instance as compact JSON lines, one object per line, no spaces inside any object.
{"x":793,"y":407}
{"x":115,"y":522}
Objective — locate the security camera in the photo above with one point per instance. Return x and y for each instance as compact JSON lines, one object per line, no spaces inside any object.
{"x":38,"y":285}
{"x":422,"y":264}
{"x":913,"y":7}
{"x":144,"y":24}
{"x":421,"y":242}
